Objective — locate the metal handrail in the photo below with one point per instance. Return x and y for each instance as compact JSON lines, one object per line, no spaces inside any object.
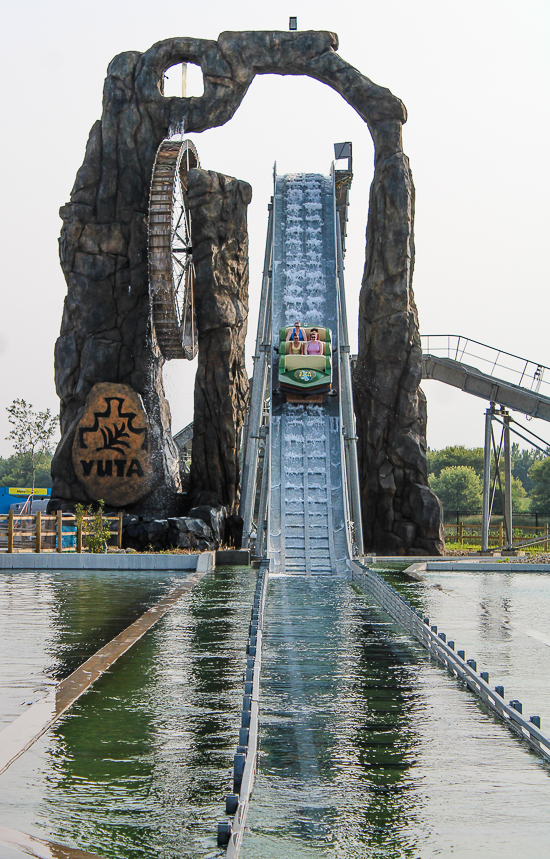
{"x":246,"y":758}
{"x":456,"y":347}
{"x":401,"y":611}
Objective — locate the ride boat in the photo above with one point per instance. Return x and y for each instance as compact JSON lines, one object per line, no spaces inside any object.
{"x":302,"y":377}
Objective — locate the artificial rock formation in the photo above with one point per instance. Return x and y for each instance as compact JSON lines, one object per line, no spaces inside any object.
{"x":105,"y":333}
{"x":218,"y":206}
{"x":400,"y":513}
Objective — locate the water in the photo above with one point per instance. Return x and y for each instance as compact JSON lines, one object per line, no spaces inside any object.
{"x":368,"y":749}
{"x":51,"y":622}
{"x":140,"y":765}
{"x":502,"y":620}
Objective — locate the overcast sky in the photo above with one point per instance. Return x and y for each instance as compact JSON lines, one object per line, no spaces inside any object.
{"x":474,"y":77}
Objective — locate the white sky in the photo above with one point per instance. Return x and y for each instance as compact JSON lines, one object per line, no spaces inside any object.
{"x":474,"y":78}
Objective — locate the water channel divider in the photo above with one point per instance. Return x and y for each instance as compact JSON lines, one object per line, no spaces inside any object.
{"x":17,"y":737}
{"x":41,"y":848}
{"x":202,"y":562}
{"x":231,"y":833}
{"x":400,"y":610}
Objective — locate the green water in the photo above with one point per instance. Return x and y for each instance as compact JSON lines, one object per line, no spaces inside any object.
{"x":141,"y":764}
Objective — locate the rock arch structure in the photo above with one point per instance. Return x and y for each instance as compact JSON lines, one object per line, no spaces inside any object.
{"x":106,"y":334}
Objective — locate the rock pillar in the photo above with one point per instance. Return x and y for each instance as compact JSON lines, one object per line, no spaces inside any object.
{"x":218,"y":206}
{"x":106,"y":334}
{"x":400,"y":514}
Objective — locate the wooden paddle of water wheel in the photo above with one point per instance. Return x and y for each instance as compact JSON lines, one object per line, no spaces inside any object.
{"x":171,"y":271}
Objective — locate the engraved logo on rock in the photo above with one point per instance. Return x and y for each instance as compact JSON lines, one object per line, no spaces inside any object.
{"x":111,"y":446}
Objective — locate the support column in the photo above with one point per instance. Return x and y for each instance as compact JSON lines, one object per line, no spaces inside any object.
{"x":486,"y":480}
{"x":507,"y":481}
{"x":262,"y":512}
{"x":258,"y":393}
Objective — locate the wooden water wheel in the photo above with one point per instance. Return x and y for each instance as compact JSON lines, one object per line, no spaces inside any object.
{"x":171,"y":271}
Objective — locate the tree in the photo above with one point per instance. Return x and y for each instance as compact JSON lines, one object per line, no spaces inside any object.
{"x":522,"y":460}
{"x":32,"y":432}
{"x":17,"y":470}
{"x":458,"y":488}
{"x":520,"y":502}
{"x":457,"y":455}
{"x":472,"y":457}
{"x":540,"y":495}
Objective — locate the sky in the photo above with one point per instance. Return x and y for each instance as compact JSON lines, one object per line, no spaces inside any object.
{"x":474,"y":78}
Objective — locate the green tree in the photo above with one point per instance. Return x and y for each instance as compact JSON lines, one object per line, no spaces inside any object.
{"x":458,"y":487}
{"x":472,"y":457}
{"x":17,"y":470}
{"x":520,"y":501}
{"x":32,"y":432}
{"x":540,"y":495}
{"x":457,"y":455}
{"x":522,"y":460}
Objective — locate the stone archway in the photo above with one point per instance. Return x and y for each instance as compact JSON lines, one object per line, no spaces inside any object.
{"x":105,"y":333}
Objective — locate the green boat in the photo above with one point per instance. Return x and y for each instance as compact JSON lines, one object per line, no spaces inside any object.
{"x":305,"y":374}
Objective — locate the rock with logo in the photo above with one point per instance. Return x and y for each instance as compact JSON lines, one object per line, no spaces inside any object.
{"x":111,"y":452}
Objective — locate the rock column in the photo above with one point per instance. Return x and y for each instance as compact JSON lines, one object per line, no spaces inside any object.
{"x":218,"y":206}
{"x":400,"y":513}
{"x":106,"y":334}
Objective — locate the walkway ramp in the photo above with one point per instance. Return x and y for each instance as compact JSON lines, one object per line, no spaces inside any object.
{"x":501,"y":377}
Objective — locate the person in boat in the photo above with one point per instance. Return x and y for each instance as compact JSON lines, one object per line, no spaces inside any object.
{"x":296,"y":330}
{"x":313,"y":345}
{"x":296,"y":348}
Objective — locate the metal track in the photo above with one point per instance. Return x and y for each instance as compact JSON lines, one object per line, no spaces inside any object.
{"x":309,"y":519}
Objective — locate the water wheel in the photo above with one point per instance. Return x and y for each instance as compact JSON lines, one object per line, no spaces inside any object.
{"x":171,"y":271}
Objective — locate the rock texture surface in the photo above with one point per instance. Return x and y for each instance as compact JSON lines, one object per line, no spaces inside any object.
{"x":105,"y":331}
{"x":105,"y":334}
{"x":400,"y":514}
{"x":218,"y":206}
{"x":173,"y":533}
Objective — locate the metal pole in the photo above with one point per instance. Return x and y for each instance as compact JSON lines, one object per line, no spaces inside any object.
{"x":486,"y":480}
{"x":257,"y":394}
{"x":346,"y":392}
{"x":507,"y":480}
{"x":262,"y":512}
{"x":38,"y":532}
{"x":184,"y":80}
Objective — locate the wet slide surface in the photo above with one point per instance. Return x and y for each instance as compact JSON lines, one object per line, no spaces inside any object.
{"x":307,"y":502}
{"x":370,"y":750}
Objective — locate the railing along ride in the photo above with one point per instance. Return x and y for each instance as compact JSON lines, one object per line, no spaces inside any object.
{"x":489,"y":360}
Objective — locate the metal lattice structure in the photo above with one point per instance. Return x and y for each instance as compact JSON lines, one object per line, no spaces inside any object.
{"x":171,"y":271}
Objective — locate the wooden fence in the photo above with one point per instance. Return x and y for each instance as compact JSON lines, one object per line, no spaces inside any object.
{"x":58,"y":533}
{"x":464,"y":533}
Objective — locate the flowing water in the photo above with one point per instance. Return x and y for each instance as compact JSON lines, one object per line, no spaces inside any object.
{"x":368,"y":749}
